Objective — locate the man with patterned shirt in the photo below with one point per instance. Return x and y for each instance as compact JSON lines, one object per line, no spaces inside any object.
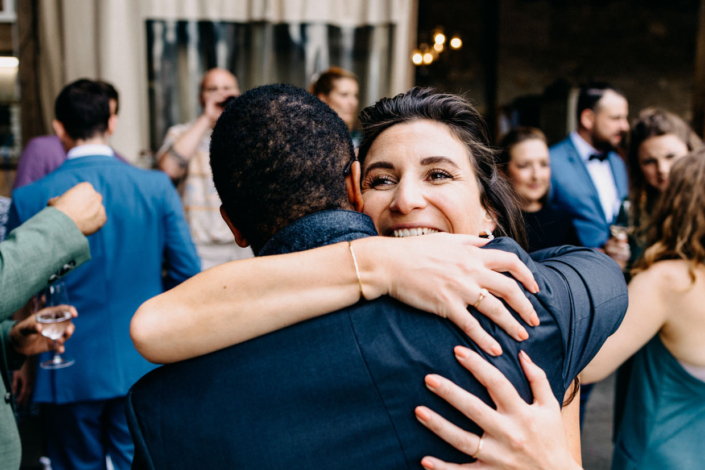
{"x":185,"y":157}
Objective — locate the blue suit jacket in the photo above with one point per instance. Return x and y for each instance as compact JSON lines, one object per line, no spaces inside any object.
{"x":573,"y":191}
{"x":339,"y":391}
{"x":145,"y":232}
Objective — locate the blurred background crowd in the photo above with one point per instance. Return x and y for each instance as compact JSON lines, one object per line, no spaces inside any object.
{"x":590,"y":104}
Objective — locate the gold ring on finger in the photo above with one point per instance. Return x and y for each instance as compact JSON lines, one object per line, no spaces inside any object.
{"x":479,"y":448}
{"x":483,"y":293}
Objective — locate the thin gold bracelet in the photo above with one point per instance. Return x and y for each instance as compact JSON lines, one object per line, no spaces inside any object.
{"x":357,"y":270}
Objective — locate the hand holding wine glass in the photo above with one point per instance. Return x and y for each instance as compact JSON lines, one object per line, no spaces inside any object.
{"x":30,"y":336}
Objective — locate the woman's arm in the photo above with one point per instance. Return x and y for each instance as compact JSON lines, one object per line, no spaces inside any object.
{"x":516,"y":435}
{"x":241,"y":300}
{"x":570,"y":415}
{"x":644,"y":318}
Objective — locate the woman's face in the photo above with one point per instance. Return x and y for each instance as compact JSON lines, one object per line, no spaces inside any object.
{"x":656,"y":156}
{"x":418,"y":179}
{"x":529,"y":170}
{"x":343,"y":99}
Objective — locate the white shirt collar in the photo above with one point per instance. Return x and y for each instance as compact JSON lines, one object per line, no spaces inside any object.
{"x":584,"y":149}
{"x":90,"y":149}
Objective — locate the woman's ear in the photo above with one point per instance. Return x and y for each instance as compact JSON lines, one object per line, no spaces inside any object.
{"x":352,"y":182}
{"x":488,"y":223}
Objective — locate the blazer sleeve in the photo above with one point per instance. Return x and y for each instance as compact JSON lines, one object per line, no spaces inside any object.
{"x":587,"y":295}
{"x":44,"y":248}
{"x":182,"y":261}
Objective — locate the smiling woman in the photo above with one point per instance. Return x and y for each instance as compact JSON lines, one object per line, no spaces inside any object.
{"x":431,"y":151}
{"x":525,"y":160}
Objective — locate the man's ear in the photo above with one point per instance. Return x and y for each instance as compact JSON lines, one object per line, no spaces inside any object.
{"x":59,"y":129}
{"x":587,"y":119}
{"x":239,"y":238}
{"x":352,"y":182}
{"x":112,"y":124}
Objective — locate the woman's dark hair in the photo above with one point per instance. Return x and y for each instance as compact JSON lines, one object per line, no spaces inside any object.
{"x":651,"y":122}
{"x":513,"y":138}
{"x":326,"y":81}
{"x":467,"y":125}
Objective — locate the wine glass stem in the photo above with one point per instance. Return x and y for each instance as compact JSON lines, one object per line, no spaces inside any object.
{"x":57,"y":356}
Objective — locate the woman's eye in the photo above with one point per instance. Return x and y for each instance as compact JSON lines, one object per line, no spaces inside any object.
{"x":379,"y":182}
{"x":439,"y":175}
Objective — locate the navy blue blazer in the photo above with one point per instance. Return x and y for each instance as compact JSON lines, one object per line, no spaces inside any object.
{"x":339,"y":391}
{"x":573,"y":191}
{"x":145,"y":233}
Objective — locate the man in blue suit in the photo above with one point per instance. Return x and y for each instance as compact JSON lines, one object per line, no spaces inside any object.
{"x":144,"y":236}
{"x":588,"y":178}
{"x":339,"y":391}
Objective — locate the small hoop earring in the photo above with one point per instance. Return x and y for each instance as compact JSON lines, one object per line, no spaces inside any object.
{"x":489,"y":235}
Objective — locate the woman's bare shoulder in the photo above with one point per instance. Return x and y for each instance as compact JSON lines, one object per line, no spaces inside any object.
{"x":669,"y":276}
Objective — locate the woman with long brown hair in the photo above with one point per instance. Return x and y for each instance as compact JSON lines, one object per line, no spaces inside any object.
{"x":664,"y":416}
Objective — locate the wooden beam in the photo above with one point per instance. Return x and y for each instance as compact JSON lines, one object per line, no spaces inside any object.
{"x":699,"y":82}
{"x":30,"y":107}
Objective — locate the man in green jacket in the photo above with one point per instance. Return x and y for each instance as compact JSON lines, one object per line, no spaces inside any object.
{"x":40,"y":251}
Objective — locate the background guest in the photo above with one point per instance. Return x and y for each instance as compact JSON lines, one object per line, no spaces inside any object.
{"x":184,"y":156}
{"x":47,"y":246}
{"x":146,"y":235}
{"x":44,"y":154}
{"x":339,"y":89}
{"x":664,"y":417}
{"x":525,"y":160}
{"x":658,"y":139}
{"x":589,"y":178}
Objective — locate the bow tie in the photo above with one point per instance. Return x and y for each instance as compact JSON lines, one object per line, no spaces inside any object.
{"x":599,"y":156}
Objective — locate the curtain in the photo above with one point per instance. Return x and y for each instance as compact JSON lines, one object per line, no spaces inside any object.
{"x":134,"y":43}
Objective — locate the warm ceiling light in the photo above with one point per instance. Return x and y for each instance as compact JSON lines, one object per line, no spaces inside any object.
{"x":8,"y":62}
{"x":427,"y":58}
{"x":438,"y":47}
{"x":417,"y":58}
{"x":439,"y":38}
{"x":456,"y":43}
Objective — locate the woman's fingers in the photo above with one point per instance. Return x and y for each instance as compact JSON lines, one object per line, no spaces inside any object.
{"x":495,"y":310}
{"x":431,"y":463}
{"x":501,"y":261}
{"x":540,"y":386}
{"x":460,"y":315}
{"x":507,"y":288}
{"x":467,"y":403}
{"x":464,"y":441}
{"x":499,"y":387}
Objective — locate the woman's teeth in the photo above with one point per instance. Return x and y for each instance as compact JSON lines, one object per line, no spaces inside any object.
{"x":413,"y":232}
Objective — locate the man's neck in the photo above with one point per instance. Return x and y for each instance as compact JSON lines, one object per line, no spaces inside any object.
{"x":586,"y":136}
{"x":97,"y":140}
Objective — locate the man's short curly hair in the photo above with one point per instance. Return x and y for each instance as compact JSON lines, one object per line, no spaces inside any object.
{"x":278,"y":154}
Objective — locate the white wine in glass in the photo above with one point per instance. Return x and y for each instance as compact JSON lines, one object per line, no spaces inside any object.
{"x":54,"y":323}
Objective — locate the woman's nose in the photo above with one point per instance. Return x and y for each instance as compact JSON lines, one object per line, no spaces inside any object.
{"x":407,"y":197}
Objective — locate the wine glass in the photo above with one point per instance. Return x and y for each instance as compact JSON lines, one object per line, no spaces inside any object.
{"x":54,"y":323}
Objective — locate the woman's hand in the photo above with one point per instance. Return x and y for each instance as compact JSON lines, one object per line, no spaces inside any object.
{"x":517,"y":435}
{"x":444,"y":274}
{"x":618,"y":249}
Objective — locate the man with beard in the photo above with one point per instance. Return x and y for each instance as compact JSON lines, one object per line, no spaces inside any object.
{"x":589,"y":179}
